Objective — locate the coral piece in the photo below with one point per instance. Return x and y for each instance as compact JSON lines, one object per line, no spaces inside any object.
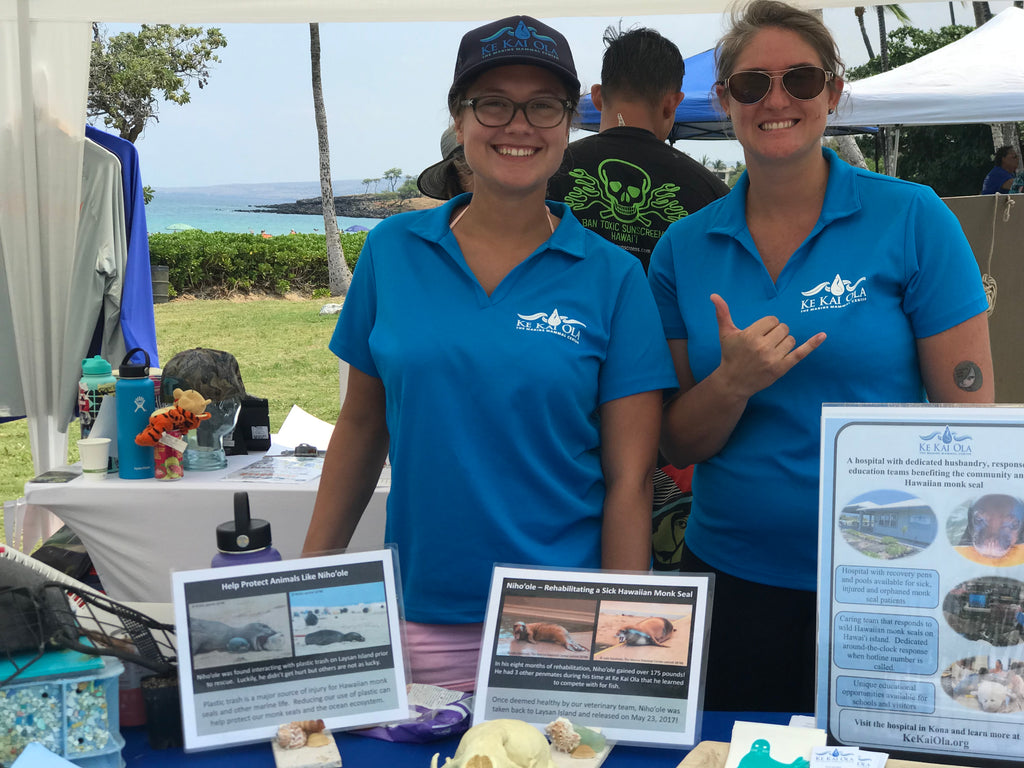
{"x":563,"y":737}
{"x":291,"y":736}
{"x":298,"y":732}
{"x":500,"y":744}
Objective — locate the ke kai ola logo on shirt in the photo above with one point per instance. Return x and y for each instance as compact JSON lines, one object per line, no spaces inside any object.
{"x":552,"y":322}
{"x":945,"y":442}
{"x":833,"y":294}
{"x":522,"y":37}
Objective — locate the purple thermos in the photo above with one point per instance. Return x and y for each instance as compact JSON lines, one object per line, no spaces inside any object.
{"x":243,"y":540}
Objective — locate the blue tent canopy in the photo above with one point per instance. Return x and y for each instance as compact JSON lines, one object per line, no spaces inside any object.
{"x":697,"y":116}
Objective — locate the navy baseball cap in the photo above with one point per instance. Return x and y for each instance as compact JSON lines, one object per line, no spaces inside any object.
{"x":515,"y":40}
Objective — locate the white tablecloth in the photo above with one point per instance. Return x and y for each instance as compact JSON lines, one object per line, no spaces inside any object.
{"x":138,"y":531}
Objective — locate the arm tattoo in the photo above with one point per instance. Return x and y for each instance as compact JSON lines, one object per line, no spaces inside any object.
{"x":967,"y":376}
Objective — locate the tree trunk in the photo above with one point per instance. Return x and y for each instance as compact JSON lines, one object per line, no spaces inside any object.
{"x":847,"y":149}
{"x":1005,"y":134}
{"x":888,"y":163}
{"x":859,"y":12}
{"x":338,"y":274}
{"x":982,"y":13}
{"x":883,"y":42}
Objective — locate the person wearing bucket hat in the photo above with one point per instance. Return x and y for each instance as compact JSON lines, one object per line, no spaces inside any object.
{"x":509,"y":361}
{"x":451,"y":176}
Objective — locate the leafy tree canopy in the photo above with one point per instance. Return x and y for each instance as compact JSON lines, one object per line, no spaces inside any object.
{"x":951,"y":159}
{"x":392,"y":177}
{"x":408,"y":188}
{"x":131,"y":72}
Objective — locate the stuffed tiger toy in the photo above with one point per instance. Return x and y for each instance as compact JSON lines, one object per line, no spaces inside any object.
{"x":186,"y":413}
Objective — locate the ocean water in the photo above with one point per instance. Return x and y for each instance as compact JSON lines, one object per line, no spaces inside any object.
{"x":229,"y":209}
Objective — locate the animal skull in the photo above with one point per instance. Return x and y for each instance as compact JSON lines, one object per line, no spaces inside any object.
{"x":500,"y":744}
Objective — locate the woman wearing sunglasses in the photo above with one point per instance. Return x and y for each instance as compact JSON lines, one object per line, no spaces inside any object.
{"x":811,"y":282}
{"x":509,"y":361}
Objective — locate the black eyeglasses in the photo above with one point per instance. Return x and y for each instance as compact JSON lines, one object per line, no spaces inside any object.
{"x":497,"y":111}
{"x":803,"y":83}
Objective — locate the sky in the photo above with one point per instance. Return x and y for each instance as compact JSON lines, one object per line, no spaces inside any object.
{"x":385,"y":87}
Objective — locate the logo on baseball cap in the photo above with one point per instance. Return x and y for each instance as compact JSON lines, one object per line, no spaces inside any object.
{"x":515,"y":40}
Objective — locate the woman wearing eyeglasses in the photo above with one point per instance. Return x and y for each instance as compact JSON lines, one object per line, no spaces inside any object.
{"x":811,"y":282}
{"x":509,"y":361}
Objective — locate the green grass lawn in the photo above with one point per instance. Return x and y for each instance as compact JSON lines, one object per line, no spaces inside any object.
{"x":280,"y":345}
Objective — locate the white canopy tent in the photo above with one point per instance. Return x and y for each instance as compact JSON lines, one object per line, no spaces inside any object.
{"x":44,"y":61}
{"x":977,"y":79}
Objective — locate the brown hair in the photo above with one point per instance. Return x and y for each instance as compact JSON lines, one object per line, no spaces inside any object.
{"x":749,"y":19}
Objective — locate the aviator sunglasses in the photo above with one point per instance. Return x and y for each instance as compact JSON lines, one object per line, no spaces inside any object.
{"x":803,"y":83}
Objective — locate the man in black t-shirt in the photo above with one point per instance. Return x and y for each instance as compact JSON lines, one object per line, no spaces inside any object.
{"x":625,"y":183}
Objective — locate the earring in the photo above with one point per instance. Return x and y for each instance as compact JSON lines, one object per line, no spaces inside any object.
{"x":831,"y":110}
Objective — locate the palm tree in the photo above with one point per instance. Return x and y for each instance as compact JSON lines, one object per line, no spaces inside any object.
{"x":883,"y":40}
{"x":339,"y":276}
{"x":896,"y":10}
{"x":859,"y":13}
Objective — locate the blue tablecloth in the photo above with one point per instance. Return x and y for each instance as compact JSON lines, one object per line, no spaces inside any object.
{"x":363,"y":752}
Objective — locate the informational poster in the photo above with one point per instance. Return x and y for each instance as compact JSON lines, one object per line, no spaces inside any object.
{"x":921,"y":628}
{"x":279,"y":469}
{"x":264,"y":644}
{"x":620,"y":652}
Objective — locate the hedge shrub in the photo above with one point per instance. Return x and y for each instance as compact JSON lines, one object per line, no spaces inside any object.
{"x":205,"y":262}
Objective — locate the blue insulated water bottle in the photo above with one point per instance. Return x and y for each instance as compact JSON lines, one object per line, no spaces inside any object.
{"x":135,"y":401}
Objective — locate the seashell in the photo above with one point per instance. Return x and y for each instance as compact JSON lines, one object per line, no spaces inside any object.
{"x":310,"y":726}
{"x":583,"y":752}
{"x":563,"y":736}
{"x":318,"y":739}
{"x":291,"y":736}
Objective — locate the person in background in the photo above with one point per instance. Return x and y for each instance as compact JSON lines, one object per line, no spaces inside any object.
{"x":450,"y":176}
{"x":811,"y":282}
{"x":625,"y":182}
{"x":627,"y":185}
{"x":1000,"y":178}
{"x":509,"y":362}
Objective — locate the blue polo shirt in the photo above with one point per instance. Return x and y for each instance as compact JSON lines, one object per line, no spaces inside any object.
{"x":886,"y":264}
{"x":492,"y":401}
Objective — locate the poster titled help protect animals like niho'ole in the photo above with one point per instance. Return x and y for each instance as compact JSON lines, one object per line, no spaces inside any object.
{"x":921,"y":586}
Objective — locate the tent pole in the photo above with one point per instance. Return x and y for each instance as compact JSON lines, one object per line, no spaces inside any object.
{"x":44,"y":439}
